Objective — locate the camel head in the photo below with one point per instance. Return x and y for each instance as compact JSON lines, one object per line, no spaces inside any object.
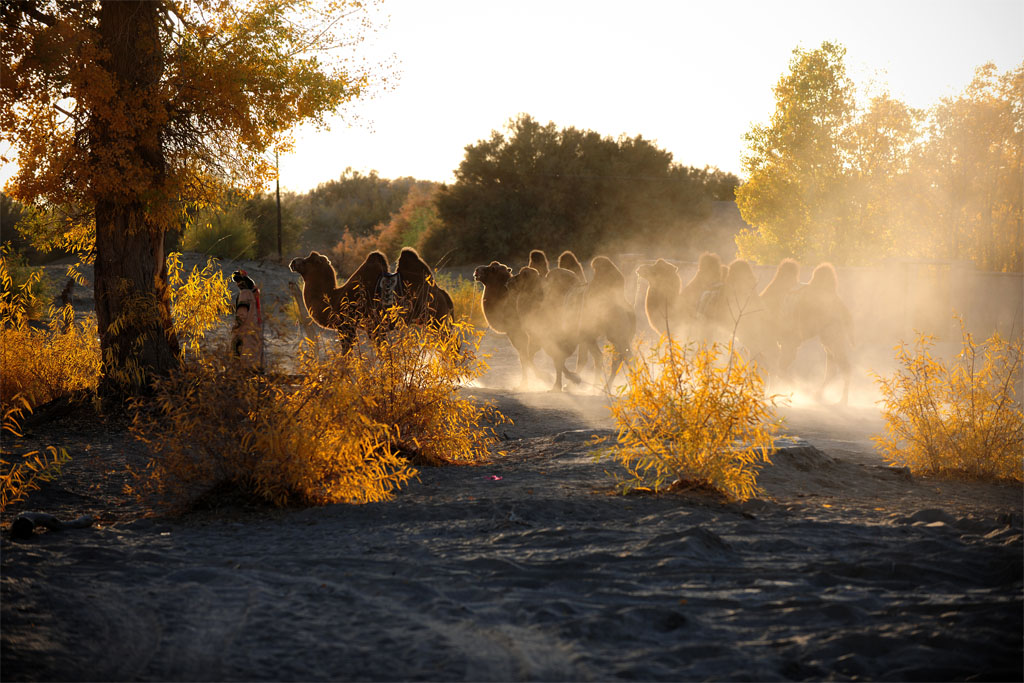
{"x":661,"y":275}
{"x":316,"y":270}
{"x":494,"y":275}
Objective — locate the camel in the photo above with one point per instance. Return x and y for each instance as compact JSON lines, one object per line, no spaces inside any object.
{"x":360,"y":301}
{"x":662,"y":301}
{"x":606,"y":313}
{"x":334,"y":307}
{"x":499,"y":307}
{"x":539,"y":262}
{"x":815,"y":310}
{"x":710,"y":274}
{"x":550,"y":314}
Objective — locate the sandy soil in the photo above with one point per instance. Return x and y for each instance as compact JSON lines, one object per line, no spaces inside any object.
{"x":527,"y":568}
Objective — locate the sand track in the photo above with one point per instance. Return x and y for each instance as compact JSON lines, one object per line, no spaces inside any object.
{"x":530,"y":568}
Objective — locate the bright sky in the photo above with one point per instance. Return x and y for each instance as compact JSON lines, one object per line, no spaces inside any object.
{"x":693,"y":77}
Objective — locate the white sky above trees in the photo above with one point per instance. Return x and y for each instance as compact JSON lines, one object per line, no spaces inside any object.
{"x":691,"y":76}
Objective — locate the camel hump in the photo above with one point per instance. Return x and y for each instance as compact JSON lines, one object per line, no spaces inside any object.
{"x":824,"y":278}
{"x":412,"y":266}
{"x":709,"y":263}
{"x":568,"y":261}
{"x":539,"y":262}
{"x":606,"y":273}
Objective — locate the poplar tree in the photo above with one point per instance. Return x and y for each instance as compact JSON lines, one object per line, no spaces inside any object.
{"x":125,"y":112}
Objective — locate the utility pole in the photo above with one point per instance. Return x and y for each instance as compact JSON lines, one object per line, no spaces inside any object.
{"x":280,"y":255}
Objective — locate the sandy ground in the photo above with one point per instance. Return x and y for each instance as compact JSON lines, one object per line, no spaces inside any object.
{"x":528,"y":568}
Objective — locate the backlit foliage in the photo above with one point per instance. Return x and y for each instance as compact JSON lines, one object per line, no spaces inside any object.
{"x":465,"y":297}
{"x":831,"y":179}
{"x":41,"y":363}
{"x":689,"y":418}
{"x":132,"y":111}
{"x":351,"y":427}
{"x":22,"y":474}
{"x":960,"y":418}
{"x":199,"y":302}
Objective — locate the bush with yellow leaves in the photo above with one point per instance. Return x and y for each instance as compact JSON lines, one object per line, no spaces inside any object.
{"x":693,"y":416}
{"x":22,"y":474}
{"x":961,"y":418}
{"x":465,"y":298}
{"x":40,"y":363}
{"x":352,"y":427}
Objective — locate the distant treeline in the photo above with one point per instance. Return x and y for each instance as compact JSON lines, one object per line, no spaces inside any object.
{"x":532,"y":186}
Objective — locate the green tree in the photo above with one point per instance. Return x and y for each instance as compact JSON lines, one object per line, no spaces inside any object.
{"x":972,"y":167}
{"x":261,"y":212}
{"x":356,"y":203}
{"x":128,"y":108}
{"x":542,"y":187}
{"x":796,"y":188}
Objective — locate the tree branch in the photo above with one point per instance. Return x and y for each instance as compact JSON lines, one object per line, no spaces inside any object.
{"x":29,"y":9}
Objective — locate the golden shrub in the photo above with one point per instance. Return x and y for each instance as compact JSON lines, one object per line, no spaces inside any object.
{"x":465,"y":298}
{"x":42,"y":363}
{"x":961,"y":418}
{"x":350,"y":429}
{"x":22,"y":474}
{"x":198,"y":302}
{"x":693,"y":416}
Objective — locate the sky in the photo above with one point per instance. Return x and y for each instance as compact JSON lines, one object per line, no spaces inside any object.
{"x":691,"y":76}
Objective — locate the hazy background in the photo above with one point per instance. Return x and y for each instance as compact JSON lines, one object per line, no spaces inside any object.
{"x":692,"y":76}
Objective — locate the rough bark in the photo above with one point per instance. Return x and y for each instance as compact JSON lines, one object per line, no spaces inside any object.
{"x":132,"y":296}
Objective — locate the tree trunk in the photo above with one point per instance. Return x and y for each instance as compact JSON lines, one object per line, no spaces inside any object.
{"x":132,"y":208}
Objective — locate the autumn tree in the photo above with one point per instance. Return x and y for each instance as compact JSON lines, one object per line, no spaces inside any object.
{"x":127,"y":111}
{"x":538,"y":186}
{"x":972,"y":170}
{"x":795,"y":193}
{"x":828,"y":179}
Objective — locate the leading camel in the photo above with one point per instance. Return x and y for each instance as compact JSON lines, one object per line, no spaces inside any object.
{"x":815,"y":310}
{"x":341,"y":308}
{"x":362,"y":298}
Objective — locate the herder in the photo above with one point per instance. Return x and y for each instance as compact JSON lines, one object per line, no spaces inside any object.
{"x":247,"y":333}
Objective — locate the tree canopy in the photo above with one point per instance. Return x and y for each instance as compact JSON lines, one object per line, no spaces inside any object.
{"x":829,"y":179}
{"x":542,"y":187}
{"x":125,"y":112}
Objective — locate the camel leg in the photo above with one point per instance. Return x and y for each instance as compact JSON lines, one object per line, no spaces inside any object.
{"x":591,"y":348}
{"x":557,"y":386}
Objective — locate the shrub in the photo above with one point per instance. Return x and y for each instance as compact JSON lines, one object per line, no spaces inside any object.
{"x":40,"y":364}
{"x":199,"y":302}
{"x":686,"y":420}
{"x":20,"y":475}
{"x":961,"y":418}
{"x":23,"y":289}
{"x":351,"y":429}
{"x":465,"y":297}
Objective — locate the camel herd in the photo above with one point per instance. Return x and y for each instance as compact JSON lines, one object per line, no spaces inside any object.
{"x":559,"y":311}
